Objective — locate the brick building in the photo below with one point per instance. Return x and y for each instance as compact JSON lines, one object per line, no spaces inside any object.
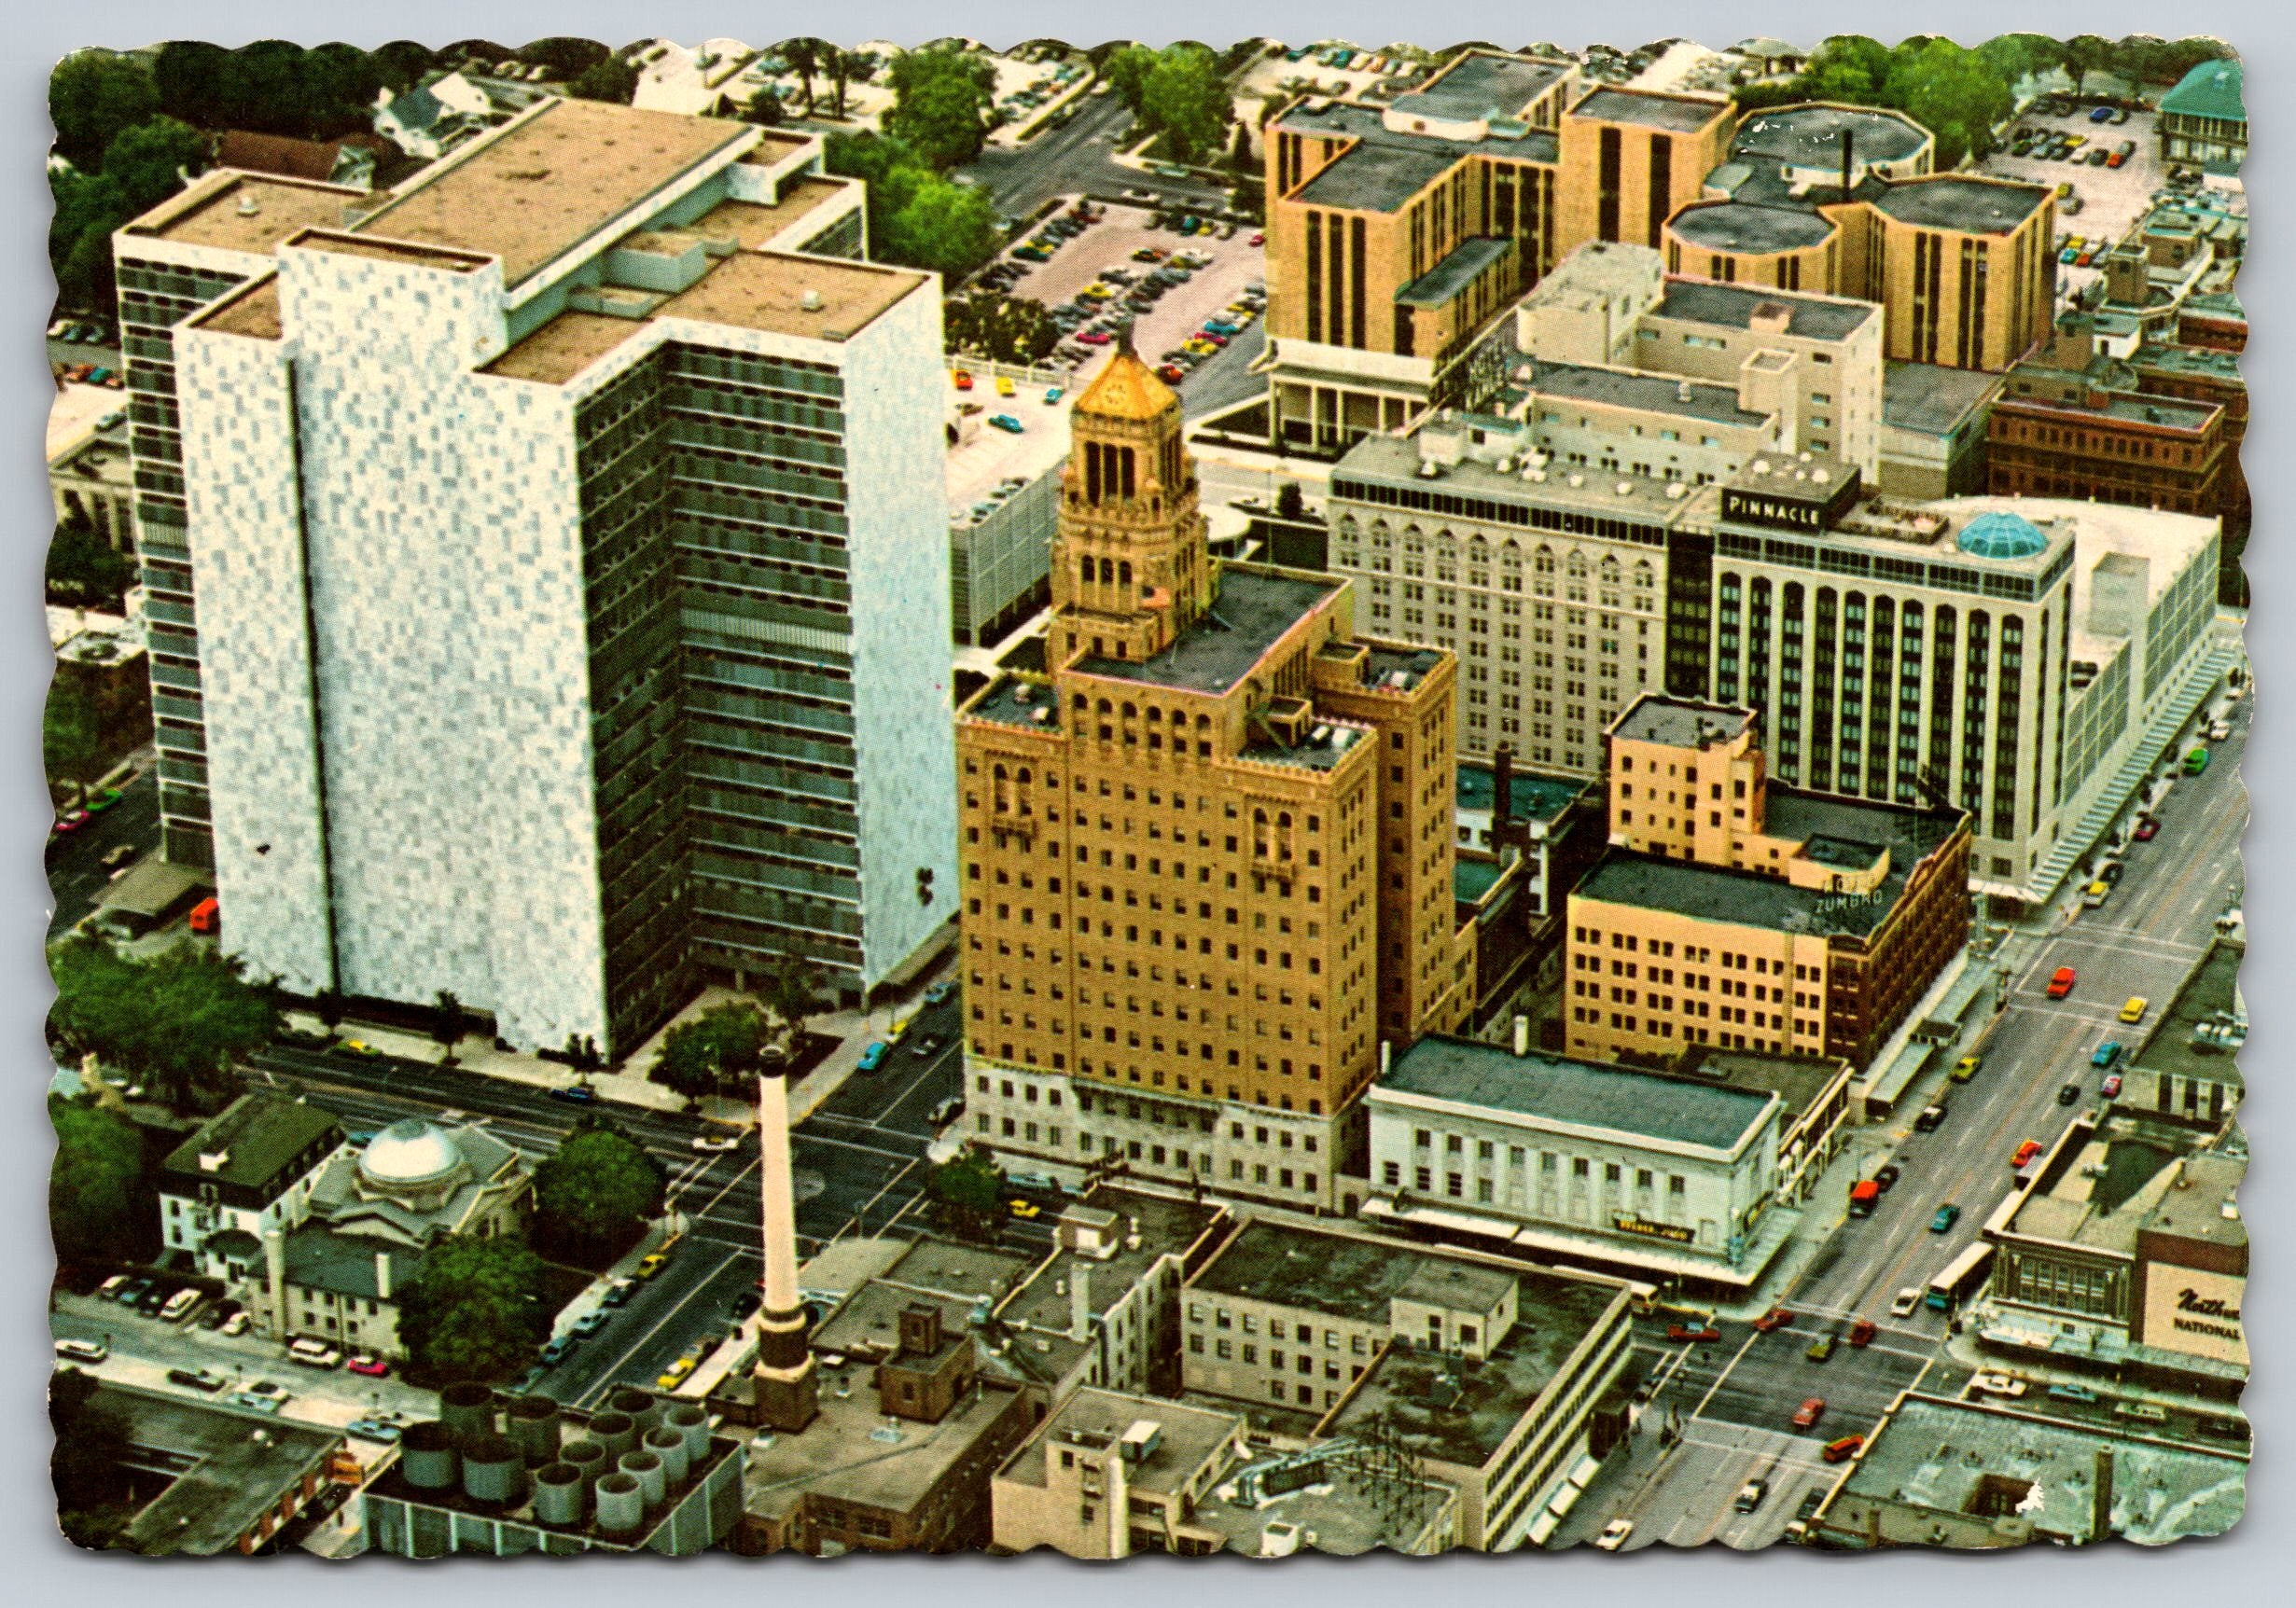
{"x":1208,"y":859}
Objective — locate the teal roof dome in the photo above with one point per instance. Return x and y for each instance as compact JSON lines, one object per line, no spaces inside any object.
{"x":2002,"y":535}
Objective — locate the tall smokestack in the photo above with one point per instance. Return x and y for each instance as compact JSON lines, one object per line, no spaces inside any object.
{"x":1080,"y":1302}
{"x":275,"y":1279}
{"x":787,"y":1393}
{"x":1502,"y":789}
{"x":1845,"y":163}
{"x":2100,"y":1522}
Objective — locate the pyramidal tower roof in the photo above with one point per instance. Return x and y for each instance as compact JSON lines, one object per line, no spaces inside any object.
{"x":1127,"y":388}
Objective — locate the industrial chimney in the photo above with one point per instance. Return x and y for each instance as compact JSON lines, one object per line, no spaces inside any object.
{"x":787,"y":1392}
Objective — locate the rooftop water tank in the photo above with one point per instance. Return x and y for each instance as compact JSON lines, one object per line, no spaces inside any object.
{"x":587,"y":1458}
{"x":616,"y":1432}
{"x":641,"y":1407}
{"x":668,"y":1445}
{"x":494,"y":1472}
{"x":646,"y":1468}
{"x":466,"y":1410}
{"x":558,"y":1495}
{"x":694,"y":1424}
{"x":426,"y":1454}
{"x":621,"y":1505}
{"x":532,"y":1424}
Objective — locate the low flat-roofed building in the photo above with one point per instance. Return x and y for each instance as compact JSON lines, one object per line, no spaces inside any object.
{"x":1641,"y":1173}
{"x":2070,"y":1285}
{"x":92,"y":481}
{"x":505,"y":1475}
{"x":2186,"y":1070}
{"x":1103,"y":1309}
{"x":1113,"y":1475}
{"x":1971,"y":1474}
{"x":233,"y":1480}
{"x":1814,"y":1095}
{"x":1933,"y":430}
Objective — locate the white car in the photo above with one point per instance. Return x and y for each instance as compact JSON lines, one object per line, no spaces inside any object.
{"x":1614,"y":1535}
{"x":235,"y":1324}
{"x":1998,"y":1385}
{"x":1908,"y":1298}
{"x":715,"y":1143}
{"x":2219,"y":731}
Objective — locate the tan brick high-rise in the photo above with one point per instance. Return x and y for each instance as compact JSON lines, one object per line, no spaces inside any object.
{"x":1207,"y":857}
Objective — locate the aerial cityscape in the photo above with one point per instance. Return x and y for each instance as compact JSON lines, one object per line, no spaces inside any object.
{"x":1284,"y":799}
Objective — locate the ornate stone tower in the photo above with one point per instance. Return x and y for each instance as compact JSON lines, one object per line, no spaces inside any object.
{"x":1130,"y":570}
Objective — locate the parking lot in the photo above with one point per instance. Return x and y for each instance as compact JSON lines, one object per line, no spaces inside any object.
{"x":1230,"y":268}
{"x":2111,"y":199}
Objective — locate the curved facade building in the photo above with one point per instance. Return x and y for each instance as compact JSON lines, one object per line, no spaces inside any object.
{"x":1741,"y":244}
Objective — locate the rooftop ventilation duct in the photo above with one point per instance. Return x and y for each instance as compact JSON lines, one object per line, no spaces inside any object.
{"x":811,"y":301}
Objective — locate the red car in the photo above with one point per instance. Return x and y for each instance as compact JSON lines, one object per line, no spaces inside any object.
{"x":1776,"y":1318}
{"x":2147,"y":829}
{"x":2062,"y":984}
{"x":1095,"y":337}
{"x":1172,"y":374}
{"x":1861,"y":1333}
{"x":1692,"y":1336}
{"x":1207,"y":335}
{"x":2112,"y":1084}
{"x":71,"y":820}
{"x":1258,"y":239}
{"x":1841,"y":1451}
{"x":1809,"y":1412}
{"x":2025,"y":1153}
{"x":373,"y":1368}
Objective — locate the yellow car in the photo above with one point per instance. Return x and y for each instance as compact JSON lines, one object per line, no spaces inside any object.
{"x":893,"y":1034}
{"x":1201,"y":348}
{"x":2134,"y":1009}
{"x":653,"y":1263}
{"x":1966,"y":1068}
{"x":1094,"y":293}
{"x":674,"y":1375}
{"x":1004,"y":386}
{"x":1025,"y":1208}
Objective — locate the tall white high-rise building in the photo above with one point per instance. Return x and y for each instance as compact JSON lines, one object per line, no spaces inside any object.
{"x":548,"y":570}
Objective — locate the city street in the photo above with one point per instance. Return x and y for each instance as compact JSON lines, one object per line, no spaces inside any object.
{"x":1731,"y":1399}
{"x":76,"y":874}
{"x":1077,"y":160}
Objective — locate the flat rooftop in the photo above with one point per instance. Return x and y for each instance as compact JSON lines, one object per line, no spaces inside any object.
{"x":2098,"y":1191}
{"x":1962,"y":203}
{"x":1254,"y":609}
{"x":536,"y":191}
{"x":757,"y":223}
{"x":1193,"y":1436}
{"x":1930,"y":399}
{"x":1601,"y":1096}
{"x":2209,"y":994}
{"x":1379,"y":175}
{"x":1735,"y":307}
{"x":1385,"y":460}
{"x":1672,"y":113}
{"x":1480,"y":84}
{"x":256,"y":1136}
{"x":1042,"y":1309}
{"x":853,"y":1453}
{"x":1700,"y":399}
{"x":1343,"y":1276}
{"x":748,"y":290}
{"x":1799,"y":1081}
{"x":1750,"y":899}
{"x":1741,"y":227}
{"x":1461,"y":1412}
{"x":1003,"y":701}
{"x":212,"y":212}
{"x":1533,"y":796}
{"x":1681,"y":722}
{"x":253,"y":314}
{"x":1811,"y":136}
{"x":230,"y":1467}
{"x":1960,"y":1457}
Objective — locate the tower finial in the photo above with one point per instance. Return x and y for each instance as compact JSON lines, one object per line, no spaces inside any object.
{"x":1124,"y":339}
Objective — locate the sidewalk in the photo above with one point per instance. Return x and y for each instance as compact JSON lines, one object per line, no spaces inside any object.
{"x":853,"y":1029}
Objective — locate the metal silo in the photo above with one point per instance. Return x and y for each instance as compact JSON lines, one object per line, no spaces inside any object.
{"x":622,"y":1505}
{"x":559,"y":1494}
{"x":467,"y":1411}
{"x":426,"y":1454}
{"x":494,"y":1472}
{"x":642,"y":1407}
{"x":616,"y":1432}
{"x":532,"y":1424}
{"x":694,"y":1424}
{"x":668,"y":1445}
{"x":646,"y":1468}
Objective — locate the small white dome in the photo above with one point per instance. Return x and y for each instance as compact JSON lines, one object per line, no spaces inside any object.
{"x":409,"y":1152}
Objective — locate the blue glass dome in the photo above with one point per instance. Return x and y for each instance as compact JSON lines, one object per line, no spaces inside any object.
{"x":2002,"y":535}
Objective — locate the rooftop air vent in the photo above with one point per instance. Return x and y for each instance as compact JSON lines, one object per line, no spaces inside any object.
{"x":1761,"y":465}
{"x":1677,"y":491}
{"x":811,"y":301}
{"x":248,"y":205}
{"x":1577,"y":480}
{"x":1626,"y":489}
{"x":1682,"y":391}
{"x":1429,"y":468}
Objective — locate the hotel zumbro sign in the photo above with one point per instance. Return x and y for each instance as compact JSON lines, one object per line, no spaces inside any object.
{"x":1649,"y":1231}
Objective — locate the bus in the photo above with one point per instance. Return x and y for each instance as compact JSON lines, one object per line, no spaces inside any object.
{"x":1963,"y":1277}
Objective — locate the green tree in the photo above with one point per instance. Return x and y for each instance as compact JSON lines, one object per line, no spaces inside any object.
{"x":1847,"y":67}
{"x":151,"y":161}
{"x":176,"y":1021}
{"x":2084,"y":54}
{"x":85,"y":571}
{"x":71,"y":736}
{"x":90,"y":1447}
{"x":449,"y":1019}
{"x":1007,"y":329}
{"x":1127,"y":73}
{"x":938,"y":97}
{"x":475,"y":1311}
{"x":687,"y":1062}
{"x":764,"y":109}
{"x":99,"y":1201}
{"x":566,"y":59}
{"x":966,"y":1195}
{"x":947,"y":228}
{"x":188,"y":75}
{"x":612,"y":79}
{"x":594,"y":1192}
{"x":1186,"y":100}
{"x":1953,"y":93}
{"x":91,"y":96}
{"x":2018,"y":55}
{"x":804,"y":58}
{"x":1240,"y":150}
{"x":790,"y":987}
{"x":714,"y":1052}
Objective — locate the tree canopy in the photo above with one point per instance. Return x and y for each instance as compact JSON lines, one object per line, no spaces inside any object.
{"x":476,"y":1310}
{"x":609,"y":79}
{"x":1185,"y":100}
{"x":149,"y":160}
{"x":594,"y":1192}
{"x":71,"y":735}
{"x":939,"y":99}
{"x":273,"y":87}
{"x":92,"y":96}
{"x":1005,"y":328}
{"x":916,"y":217}
{"x":175,"y":1022}
{"x":714,"y":1052}
{"x":99,"y":1201}
{"x":967,"y":1195}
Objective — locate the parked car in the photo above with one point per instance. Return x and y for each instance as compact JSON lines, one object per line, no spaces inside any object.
{"x":942,"y":990}
{"x":1776,"y":1318}
{"x":179,"y":1305}
{"x":205,"y":1379}
{"x":374,"y":1429}
{"x":1993,"y":1384}
{"x":1861,"y":1333}
{"x":2110,"y":1089}
{"x":310,"y":1354}
{"x":1020,"y":1206}
{"x":1809,"y":1412}
{"x":109,"y":1290}
{"x":590,"y":1323}
{"x":650,"y":1265}
{"x":948,"y":1111}
{"x":234,"y":1324}
{"x":2133,"y":1010}
{"x":82,"y":1350}
{"x":2148,"y":828}
{"x":1904,"y":1302}
{"x":1841,"y":1451}
{"x":2025,"y":1152}
{"x":618,"y":1294}
{"x":368,"y":1364}
{"x":559,"y":1348}
{"x":1931,"y":1118}
{"x":2073,"y":1392}
{"x":1007,"y":423}
{"x":1750,"y":1495}
{"x":1947,"y":1216}
{"x":1690,"y":1336}
{"x":873,"y":1057}
{"x":716,"y":1144}
{"x":255,"y":1401}
{"x":1886,"y":1175}
{"x":2062,"y":983}
{"x":674,"y":1375}
{"x":576,"y":1094}
{"x":2105,"y":1055}
{"x":1614,"y":1535}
